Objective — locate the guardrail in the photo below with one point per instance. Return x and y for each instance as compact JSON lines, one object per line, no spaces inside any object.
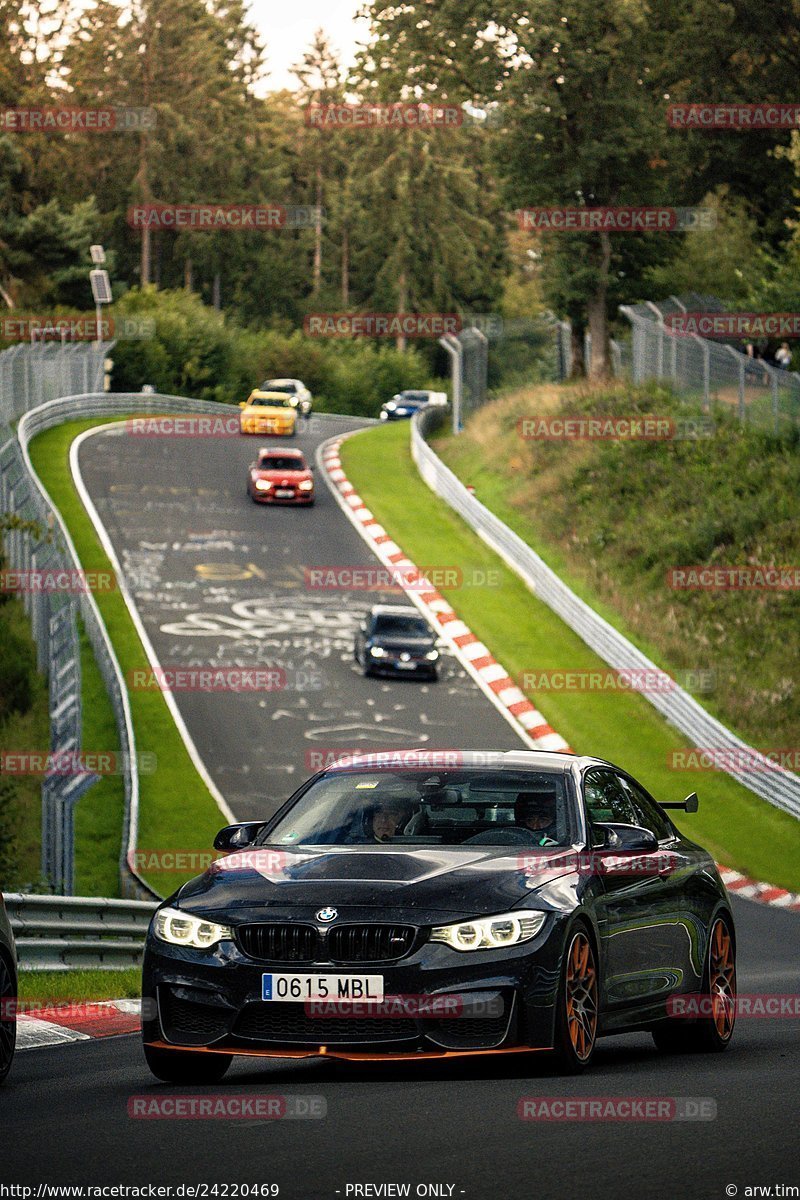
{"x":768,"y":780}
{"x":54,"y":624}
{"x":56,"y":932}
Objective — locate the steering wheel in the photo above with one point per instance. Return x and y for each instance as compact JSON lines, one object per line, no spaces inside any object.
{"x":501,"y":837}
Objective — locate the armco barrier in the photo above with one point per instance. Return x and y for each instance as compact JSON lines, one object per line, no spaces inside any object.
{"x":24,"y":492}
{"x":772,"y":783}
{"x":55,"y":932}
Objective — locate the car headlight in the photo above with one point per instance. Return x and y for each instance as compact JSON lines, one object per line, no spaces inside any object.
{"x":305,"y":485}
{"x":377,"y":652}
{"x":432,"y":655}
{"x":263,"y":485}
{"x":182,"y":929}
{"x":490,"y":933}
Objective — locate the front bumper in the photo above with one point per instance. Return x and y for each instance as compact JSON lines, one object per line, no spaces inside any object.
{"x":273,"y":428}
{"x":269,"y":498}
{"x":395,"y":666}
{"x":211,"y":1000}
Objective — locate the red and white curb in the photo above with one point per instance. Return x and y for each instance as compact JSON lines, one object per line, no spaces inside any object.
{"x":77,"y":1021}
{"x":478,"y":660}
{"x":481,"y":664}
{"x":763,"y":893}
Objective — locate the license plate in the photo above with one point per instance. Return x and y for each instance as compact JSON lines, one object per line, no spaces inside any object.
{"x":321,"y":987}
{"x":284,"y":493}
{"x":407,"y":666}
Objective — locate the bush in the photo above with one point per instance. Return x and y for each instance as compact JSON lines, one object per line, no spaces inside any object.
{"x":198,"y":352}
{"x":17,"y":666}
{"x":9,"y":826}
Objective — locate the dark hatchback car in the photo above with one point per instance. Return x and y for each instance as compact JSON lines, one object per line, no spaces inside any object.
{"x":416,"y":903}
{"x":8,"y":993}
{"x":396,"y":640}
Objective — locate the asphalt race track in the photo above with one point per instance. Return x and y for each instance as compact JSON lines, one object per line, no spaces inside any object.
{"x":222,"y":582}
{"x":174,"y":509}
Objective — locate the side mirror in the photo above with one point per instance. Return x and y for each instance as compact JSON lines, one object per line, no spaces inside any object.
{"x":689,"y":805}
{"x":236,"y":837}
{"x":242,"y":404}
{"x":628,"y":839}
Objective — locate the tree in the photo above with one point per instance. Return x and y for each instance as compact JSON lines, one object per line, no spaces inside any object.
{"x":581,"y":121}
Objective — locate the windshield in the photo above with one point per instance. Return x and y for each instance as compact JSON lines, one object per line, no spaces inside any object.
{"x":413,"y":397}
{"x":400,"y":626}
{"x":288,"y":389}
{"x":408,"y":807}
{"x":282,"y":464}
{"x":270,"y":402}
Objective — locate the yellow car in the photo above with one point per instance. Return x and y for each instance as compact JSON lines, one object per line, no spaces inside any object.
{"x":268,"y":412}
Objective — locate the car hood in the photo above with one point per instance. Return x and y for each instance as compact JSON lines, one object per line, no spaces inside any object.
{"x":418,"y":884}
{"x":402,"y":643}
{"x":267,"y":410}
{"x":282,"y":476}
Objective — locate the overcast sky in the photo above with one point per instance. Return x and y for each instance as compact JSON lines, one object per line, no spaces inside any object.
{"x":287,"y":27}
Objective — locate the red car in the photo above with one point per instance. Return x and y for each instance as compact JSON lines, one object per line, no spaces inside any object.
{"x":280,"y":476}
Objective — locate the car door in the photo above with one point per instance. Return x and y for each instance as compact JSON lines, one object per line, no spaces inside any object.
{"x":637,"y":902}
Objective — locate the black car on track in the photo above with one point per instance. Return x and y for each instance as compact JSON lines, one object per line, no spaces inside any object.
{"x":419,"y":904}
{"x":8,"y":993}
{"x":396,"y":640}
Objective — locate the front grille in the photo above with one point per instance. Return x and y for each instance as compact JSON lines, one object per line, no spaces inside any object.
{"x":289,"y":1024}
{"x":279,"y":943}
{"x":369,"y":943}
{"x":344,"y":944}
{"x":189,"y":1023}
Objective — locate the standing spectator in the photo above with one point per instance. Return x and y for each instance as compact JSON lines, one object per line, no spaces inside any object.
{"x":783,"y":356}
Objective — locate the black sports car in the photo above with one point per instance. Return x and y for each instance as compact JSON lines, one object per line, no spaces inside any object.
{"x":420,"y":903}
{"x":396,"y":640}
{"x":8,"y":993}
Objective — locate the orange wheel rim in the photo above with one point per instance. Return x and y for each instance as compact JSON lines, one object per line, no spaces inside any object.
{"x":722,"y":980}
{"x":581,"y":996}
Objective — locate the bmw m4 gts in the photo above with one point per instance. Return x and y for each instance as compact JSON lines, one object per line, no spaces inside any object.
{"x":423,"y":903}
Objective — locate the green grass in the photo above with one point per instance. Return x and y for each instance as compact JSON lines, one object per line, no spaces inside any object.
{"x":26,"y":731}
{"x":98,"y":816}
{"x":177,"y":812}
{"x":613,"y":517}
{"x":56,"y":987}
{"x":740,"y":829}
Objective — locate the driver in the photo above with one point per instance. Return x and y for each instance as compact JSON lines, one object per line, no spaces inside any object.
{"x":536,"y":813}
{"x":389,"y":819}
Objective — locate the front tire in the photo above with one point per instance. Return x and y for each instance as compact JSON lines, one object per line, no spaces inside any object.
{"x":711,"y":1032}
{"x":186,"y":1066}
{"x":577,"y":1015}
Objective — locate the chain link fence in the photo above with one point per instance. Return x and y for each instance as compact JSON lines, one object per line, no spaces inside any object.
{"x":762,"y":395}
{"x":31,"y":374}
